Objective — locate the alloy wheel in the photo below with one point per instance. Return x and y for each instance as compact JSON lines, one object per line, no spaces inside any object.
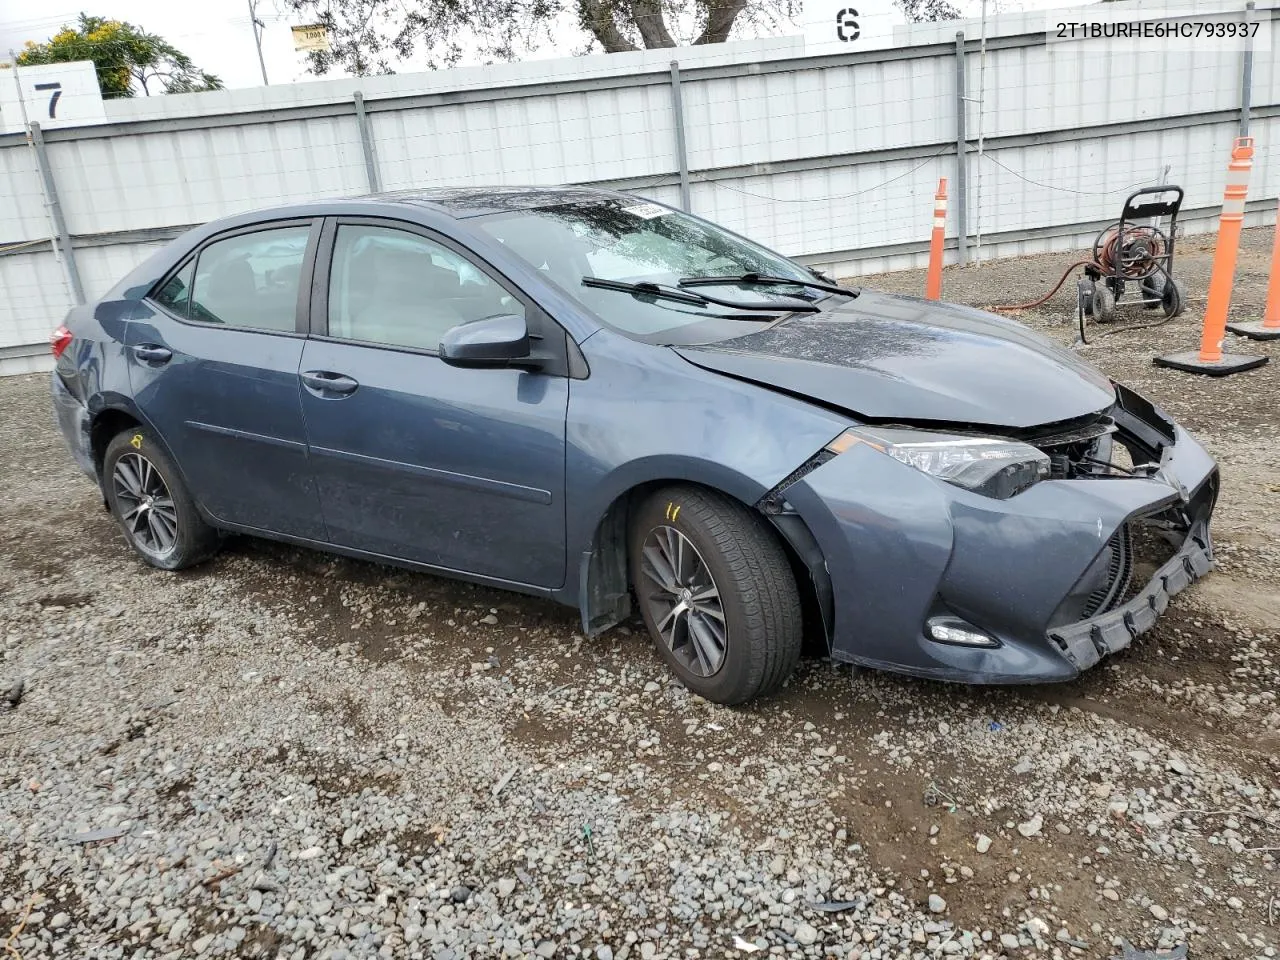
{"x":683,"y":601}
{"x":146,"y":506}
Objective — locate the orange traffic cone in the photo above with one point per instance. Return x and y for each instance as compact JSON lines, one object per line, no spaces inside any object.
{"x":1268,"y":328}
{"x":933,"y":282}
{"x":1210,"y":359}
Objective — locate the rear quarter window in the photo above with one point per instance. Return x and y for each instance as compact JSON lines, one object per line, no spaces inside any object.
{"x":175,"y":293}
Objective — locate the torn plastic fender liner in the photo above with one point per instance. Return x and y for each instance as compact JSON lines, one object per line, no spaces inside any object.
{"x":801,"y":539}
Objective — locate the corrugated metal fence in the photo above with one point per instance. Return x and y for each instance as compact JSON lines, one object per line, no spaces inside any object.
{"x":833,"y":159}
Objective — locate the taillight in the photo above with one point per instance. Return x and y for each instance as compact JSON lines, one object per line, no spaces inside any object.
{"x":59,"y":340}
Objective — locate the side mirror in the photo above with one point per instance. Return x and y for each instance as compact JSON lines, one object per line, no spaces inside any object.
{"x":491,"y":342}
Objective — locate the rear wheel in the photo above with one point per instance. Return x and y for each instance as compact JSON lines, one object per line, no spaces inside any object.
{"x":1153,"y":291}
{"x":716,"y":593}
{"x":149,"y":501}
{"x":1173,"y":299}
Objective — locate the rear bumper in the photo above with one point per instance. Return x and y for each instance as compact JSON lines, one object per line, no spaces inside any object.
{"x":900,"y":547}
{"x":73,"y":421}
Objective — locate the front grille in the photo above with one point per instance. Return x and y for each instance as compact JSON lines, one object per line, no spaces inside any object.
{"x":1104,"y":584}
{"x":1118,"y":556}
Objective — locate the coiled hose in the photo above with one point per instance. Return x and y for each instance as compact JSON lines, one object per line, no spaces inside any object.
{"x":1140,"y":258}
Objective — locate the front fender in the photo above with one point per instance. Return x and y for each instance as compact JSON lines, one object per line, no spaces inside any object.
{"x":886,"y":533}
{"x":646,"y":416}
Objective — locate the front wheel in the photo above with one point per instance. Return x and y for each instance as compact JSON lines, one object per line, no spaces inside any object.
{"x":150,"y":502}
{"x":716,"y":593}
{"x":1104,"y":303}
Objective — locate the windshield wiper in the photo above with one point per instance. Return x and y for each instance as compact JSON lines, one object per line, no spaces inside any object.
{"x":649,"y":289}
{"x":760,"y":280}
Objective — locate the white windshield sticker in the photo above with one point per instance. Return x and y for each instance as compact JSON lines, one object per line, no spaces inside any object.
{"x":647,"y":210}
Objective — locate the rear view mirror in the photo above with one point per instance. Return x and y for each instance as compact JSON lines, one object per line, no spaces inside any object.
{"x":491,"y":342}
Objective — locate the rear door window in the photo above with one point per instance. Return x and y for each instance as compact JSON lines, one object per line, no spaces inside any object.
{"x":250,"y":280}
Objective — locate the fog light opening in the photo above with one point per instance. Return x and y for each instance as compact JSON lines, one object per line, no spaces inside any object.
{"x":955,"y":631}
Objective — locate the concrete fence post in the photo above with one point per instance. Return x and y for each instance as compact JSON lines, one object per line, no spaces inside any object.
{"x":366,"y":143}
{"x":962,"y":155}
{"x":682,"y":156}
{"x":55,"y":212}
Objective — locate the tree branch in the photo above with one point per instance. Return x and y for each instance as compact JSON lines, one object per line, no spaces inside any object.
{"x":647,"y":16}
{"x":597,"y":17}
{"x":720,"y":17}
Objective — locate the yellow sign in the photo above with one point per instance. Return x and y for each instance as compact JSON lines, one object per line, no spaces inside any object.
{"x":311,"y":37}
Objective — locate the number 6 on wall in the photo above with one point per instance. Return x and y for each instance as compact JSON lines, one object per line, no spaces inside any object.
{"x":53,"y":97}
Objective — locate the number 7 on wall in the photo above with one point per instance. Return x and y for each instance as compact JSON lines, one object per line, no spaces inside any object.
{"x":53,"y":97}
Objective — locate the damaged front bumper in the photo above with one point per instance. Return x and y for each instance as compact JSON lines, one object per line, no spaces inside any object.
{"x":1086,"y":642}
{"x":1056,"y":577}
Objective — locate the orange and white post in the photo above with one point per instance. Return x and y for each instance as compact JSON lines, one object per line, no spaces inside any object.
{"x":1211,"y":359}
{"x":1268,"y":328}
{"x":933,"y":283}
{"x":1224,"y":256}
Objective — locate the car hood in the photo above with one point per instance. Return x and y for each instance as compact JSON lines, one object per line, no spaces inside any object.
{"x":889,"y":358}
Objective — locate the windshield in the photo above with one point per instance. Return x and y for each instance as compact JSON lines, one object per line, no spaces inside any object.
{"x":635,"y":241}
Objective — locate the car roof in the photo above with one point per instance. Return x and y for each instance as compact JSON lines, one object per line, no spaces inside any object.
{"x":463,"y":202}
{"x":449,"y":203}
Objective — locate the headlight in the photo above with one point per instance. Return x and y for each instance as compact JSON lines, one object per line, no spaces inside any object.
{"x":987,"y":465}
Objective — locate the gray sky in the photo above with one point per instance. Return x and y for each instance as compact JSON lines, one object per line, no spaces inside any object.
{"x":216,"y":33}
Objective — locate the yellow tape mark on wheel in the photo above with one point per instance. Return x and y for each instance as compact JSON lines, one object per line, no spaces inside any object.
{"x":675,"y":515}
{"x":136,"y":441}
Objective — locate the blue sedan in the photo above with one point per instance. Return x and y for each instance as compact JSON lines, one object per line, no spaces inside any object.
{"x":601,"y":400}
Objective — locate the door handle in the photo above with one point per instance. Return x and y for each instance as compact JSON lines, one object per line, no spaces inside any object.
{"x":325,"y":383}
{"x":153,"y":353}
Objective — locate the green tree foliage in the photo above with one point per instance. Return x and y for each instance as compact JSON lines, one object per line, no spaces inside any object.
{"x":369,"y":36}
{"x":127,"y":57}
{"x":923,"y":11}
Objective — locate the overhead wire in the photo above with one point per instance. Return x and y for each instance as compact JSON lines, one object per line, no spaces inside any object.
{"x":1050,"y":186}
{"x":829,"y":199}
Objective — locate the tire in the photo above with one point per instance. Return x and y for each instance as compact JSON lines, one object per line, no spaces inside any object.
{"x":760,"y":619}
{"x":1174,"y":298}
{"x":146,"y":495}
{"x":1153,"y":291}
{"x":1104,"y":303}
{"x":1084,"y":293}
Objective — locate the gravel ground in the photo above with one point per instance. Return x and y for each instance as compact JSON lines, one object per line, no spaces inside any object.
{"x":284,"y":754}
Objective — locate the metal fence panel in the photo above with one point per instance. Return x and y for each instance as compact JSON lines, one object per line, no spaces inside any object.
{"x":35,"y":298}
{"x":838,"y":208}
{"x":569,"y":138}
{"x":191,"y":176}
{"x":22,"y":212}
{"x":1069,"y":86}
{"x":808,"y":113}
{"x":832,"y":159}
